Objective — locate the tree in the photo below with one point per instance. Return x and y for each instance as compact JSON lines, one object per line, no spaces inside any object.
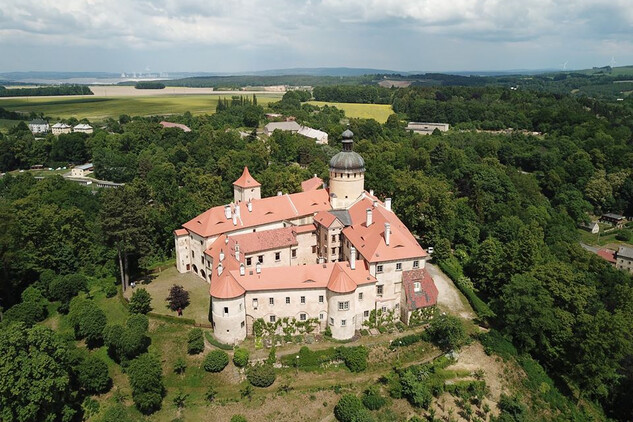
{"x":215,"y":361}
{"x":87,"y":320}
{"x":141,"y":302}
{"x":195,"y":341}
{"x":125,"y":343}
{"x":146,"y":380}
{"x":261,"y":375}
{"x":447,"y":331}
{"x":93,"y":376}
{"x":348,"y":408}
{"x":372,"y":399}
{"x":442,"y":249}
{"x":240,"y":357}
{"x":180,"y":366}
{"x":65,"y":288}
{"x":178,"y":298}
{"x":35,"y":385}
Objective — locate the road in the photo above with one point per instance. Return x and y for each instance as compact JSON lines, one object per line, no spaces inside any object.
{"x":449,"y":296}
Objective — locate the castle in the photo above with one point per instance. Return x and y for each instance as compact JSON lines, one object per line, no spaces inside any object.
{"x":328,"y":255}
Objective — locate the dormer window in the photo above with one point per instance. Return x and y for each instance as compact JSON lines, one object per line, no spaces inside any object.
{"x":417,"y":287}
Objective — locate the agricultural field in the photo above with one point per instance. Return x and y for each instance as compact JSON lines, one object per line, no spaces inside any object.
{"x":379,"y":112}
{"x":96,"y":108}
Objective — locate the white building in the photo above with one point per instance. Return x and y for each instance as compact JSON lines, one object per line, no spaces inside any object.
{"x":427,"y":128}
{"x":39,"y":126}
{"x":330,"y":256}
{"x":82,"y":170}
{"x":83,"y":128}
{"x":291,"y":126}
{"x":59,"y":128}
{"x":318,"y":135}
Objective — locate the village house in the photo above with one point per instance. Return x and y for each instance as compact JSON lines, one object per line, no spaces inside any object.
{"x":327,"y":255}
{"x":624,"y":259}
{"x":59,"y":128}
{"x":318,"y":135}
{"x":83,"y":128}
{"x":591,"y":227}
{"x":38,"y":126}
{"x":427,"y":128}
{"x":291,"y":126}
{"x":82,"y":170}
{"x":615,"y":220}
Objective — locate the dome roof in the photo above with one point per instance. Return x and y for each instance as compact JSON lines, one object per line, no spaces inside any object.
{"x":347,"y":160}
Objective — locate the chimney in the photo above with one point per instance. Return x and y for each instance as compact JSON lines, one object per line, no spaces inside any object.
{"x":258,"y":268}
{"x":226,"y":240}
{"x":234,"y":220}
{"x":388,"y":204}
{"x":321,"y":260}
{"x":387,"y":233}
{"x":227,"y":211}
{"x":237,"y":252}
{"x":315,"y":175}
{"x":375,"y":203}
{"x":352,"y":258}
{"x":249,"y":205}
{"x":242,"y":269}
{"x":279,"y":193}
{"x":237,"y":210}
{"x":221,"y":255}
{"x":369,"y":217}
{"x":371,"y":192}
{"x":220,"y":269}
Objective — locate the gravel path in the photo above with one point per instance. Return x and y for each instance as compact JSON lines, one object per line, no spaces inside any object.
{"x":449,"y":296}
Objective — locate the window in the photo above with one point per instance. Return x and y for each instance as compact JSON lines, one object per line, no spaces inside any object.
{"x":417,"y":287}
{"x":321,"y":299}
{"x":416,"y":264}
{"x":333,"y":238}
{"x":260,"y":259}
{"x":366,"y":314}
{"x":398,"y":266}
{"x":249,"y":262}
{"x":226,"y":311}
{"x":277,"y":256}
{"x":293,"y":253}
{"x":379,"y":290}
{"x":202,"y":260}
{"x":242,"y":325}
{"x":271,"y":301}
{"x":255,"y":303}
{"x":303,"y":300}
{"x":331,"y":321}
{"x":333,"y":251}
{"x":379,"y":268}
{"x":343,"y":306}
{"x":287,"y":300}
{"x":272,"y":318}
{"x":360,"y":296}
{"x":241,"y":306}
{"x":193,"y":254}
{"x":321,"y":316}
{"x":343,"y":322}
{"x":201,"y":242}
{"x":314,"y":249}
{"x":384,"y":309}
{"x":303,"y":317}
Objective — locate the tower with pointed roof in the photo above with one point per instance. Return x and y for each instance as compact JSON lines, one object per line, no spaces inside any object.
{"x":347,"y":174}
{"x":246,"y":188}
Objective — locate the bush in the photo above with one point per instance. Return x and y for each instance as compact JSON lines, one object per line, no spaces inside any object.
{"x":447,"y":332}
{"x":93,"y":375}
{"x":146,"y":380}
{"x":372,"y":399}
{"x":180,"y":366}
{"x":87,"y":320}
{"x":195,"y":342}
{"x":623,"y":235}
{"x":125,"y":343}
{"x":215,"y":361}
{"x":454,"y":270}
{"x":261,"y":375}
{"x":178,"y":298}
{"x":31,"y":310}
{"x":212,"y":340}
{"x":65,"y":288}
{"x":355,"y":358}
{"x":141,"y":302}
{"x":110,"y":290}
{"x":348,"y":408}
{"x":272,"y":357}
{"x":240,"y":357}
{"x":406,"y":341}
{"x":238,"y":418}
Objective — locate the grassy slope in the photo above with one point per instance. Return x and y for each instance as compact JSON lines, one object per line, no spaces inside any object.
{"x":99,"y":108}
{"x":379,"y":112}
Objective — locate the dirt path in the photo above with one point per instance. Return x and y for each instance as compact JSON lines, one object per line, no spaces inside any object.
{"x":449,"y":296}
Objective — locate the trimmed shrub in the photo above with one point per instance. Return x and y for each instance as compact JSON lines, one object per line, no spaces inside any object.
{"x":180,"y":366}
{"x":141,"y":302}
{"x":215,"y":361}
{"x":406,"y":341}
{"x":261,"y":375}
{"x":372,"y":399}
{"x":240,"y":357}
{"x":195,"y":342}
{"x":93,"y":375}
{"x":212,"y":340}
{"x":348,"y":408}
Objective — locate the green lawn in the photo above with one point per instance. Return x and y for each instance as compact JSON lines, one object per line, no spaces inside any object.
{"x":158,"y":288}
{"x":378,"y":112}
{"x":98,"y":108}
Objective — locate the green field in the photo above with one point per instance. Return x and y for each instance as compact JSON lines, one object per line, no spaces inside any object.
{"x":99,"y":108}
{"x":379,"y":112}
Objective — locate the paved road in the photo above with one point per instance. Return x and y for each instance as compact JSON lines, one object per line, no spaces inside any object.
{"x":589,"y":248}
{"x":449,"y":296}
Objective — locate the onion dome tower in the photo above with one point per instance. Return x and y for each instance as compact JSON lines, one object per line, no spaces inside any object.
{"x":347,"y":174}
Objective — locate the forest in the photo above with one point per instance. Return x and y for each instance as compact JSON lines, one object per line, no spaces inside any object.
{"x":502,"y":209}
{"x":45,"y":91}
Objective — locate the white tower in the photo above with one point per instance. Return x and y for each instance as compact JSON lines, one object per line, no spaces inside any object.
{"x":347,"y":174}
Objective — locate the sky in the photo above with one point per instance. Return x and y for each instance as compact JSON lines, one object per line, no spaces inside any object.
{"x":249,"y":35}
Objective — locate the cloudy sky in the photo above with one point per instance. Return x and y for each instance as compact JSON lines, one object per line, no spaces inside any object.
{"x":243,"y":35}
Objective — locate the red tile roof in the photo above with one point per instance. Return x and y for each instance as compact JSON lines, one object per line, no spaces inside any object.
{"x":312,"y":184}
{"x":264,"y":211}
{"x":325,"y":218}
{"x":427,"y":296}
{"x":370,"y":241}
{"x":246,"y":180}
{"x":176,"y":125}
{"x":336,"y":276}
{"x":181,"y":232}
{"x":266,"y":240}
{"x":607,"y":254}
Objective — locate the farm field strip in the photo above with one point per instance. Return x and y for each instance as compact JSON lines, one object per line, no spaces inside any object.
{"x":379,"y":112}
